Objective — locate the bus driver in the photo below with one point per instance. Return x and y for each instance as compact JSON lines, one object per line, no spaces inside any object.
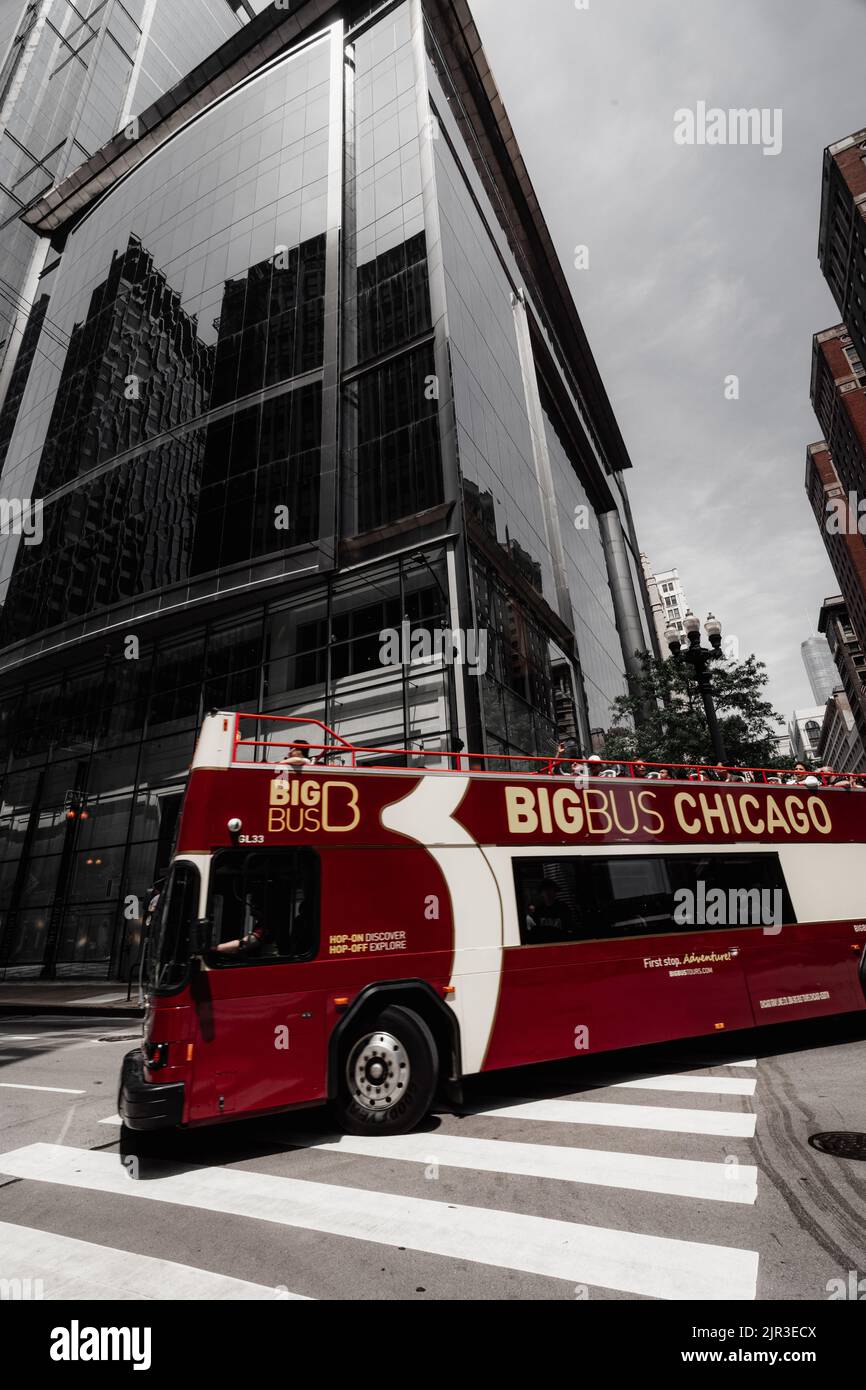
{"x":257,"y":940}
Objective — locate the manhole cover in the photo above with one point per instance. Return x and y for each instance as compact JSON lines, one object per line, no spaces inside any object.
{"x":841,"y":1145}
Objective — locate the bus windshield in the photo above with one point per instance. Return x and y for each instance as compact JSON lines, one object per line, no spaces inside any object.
{"x":169,"y":944}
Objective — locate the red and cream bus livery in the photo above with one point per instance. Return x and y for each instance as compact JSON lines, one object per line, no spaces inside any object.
{"x":365,"y":935}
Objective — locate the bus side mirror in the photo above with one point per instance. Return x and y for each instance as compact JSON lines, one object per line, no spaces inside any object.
{"x":201,"y":936}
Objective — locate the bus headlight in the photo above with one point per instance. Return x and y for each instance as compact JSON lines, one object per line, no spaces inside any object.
{"x":235,"y":826}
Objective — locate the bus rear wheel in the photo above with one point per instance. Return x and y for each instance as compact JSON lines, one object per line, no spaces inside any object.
{"x":388,"y":1075}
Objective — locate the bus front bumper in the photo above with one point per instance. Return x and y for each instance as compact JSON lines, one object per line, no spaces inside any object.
{"x":148,"y":1104}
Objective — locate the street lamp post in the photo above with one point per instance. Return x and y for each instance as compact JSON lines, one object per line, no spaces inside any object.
{"x":699,"y":659}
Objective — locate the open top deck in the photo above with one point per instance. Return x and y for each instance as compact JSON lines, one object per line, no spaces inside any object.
{"x":231,"y":739}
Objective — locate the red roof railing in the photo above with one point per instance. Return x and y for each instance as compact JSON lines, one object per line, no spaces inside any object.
{"x":336,"y":747}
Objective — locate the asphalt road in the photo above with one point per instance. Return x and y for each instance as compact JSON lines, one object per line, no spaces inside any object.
{"x":669,"y":1172}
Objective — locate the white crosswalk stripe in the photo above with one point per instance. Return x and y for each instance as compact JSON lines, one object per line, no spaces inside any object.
{"x":692,"y":1085}
{"x":55,"y":1090}
{"x":678,"y":1177}
{"x":79,"y":1269}
{"x":728,"y":1123}
{"x":647,"y":1265}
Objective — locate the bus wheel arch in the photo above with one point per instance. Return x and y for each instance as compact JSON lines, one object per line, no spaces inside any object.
{"x":410,"y":1014}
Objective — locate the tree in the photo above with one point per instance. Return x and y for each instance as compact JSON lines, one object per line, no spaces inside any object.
{"x":662,"y":718}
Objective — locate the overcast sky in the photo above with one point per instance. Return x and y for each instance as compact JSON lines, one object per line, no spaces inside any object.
{"x":703,"y":264}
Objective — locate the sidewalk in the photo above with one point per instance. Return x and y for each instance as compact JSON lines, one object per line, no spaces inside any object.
{"x":90,"y":998}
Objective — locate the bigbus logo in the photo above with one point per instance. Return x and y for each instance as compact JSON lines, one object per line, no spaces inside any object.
{"x":533,"y":811}
{"x":307,"y":806}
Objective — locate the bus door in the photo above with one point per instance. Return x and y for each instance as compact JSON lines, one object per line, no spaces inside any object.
{"x":259,"y":1004}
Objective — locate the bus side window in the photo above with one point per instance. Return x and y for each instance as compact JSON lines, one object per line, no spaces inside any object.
{"x":265,"y":905}
{"x":583,"y":898}
{"x":293,"y":905}
{"x":304,"y":933}
{"x":217,"y":909}
{"x":546,"y":915}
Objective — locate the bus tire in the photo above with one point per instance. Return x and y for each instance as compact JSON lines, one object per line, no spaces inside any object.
{"x":388,"y":1075}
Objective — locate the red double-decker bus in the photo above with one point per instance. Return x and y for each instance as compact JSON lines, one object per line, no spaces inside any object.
{"x":369,"y":935}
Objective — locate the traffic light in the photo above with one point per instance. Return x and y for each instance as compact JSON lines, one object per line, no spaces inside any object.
{"x":74,"y":806}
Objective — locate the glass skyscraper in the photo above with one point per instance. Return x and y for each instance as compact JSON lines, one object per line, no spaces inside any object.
{"x":302,"y":368}
{"x":72,"y":73}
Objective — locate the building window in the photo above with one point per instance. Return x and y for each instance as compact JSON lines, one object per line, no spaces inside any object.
{"x":395,"y":469}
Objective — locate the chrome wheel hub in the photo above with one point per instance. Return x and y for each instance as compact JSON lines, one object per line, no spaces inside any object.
{"x":378,"y":1071}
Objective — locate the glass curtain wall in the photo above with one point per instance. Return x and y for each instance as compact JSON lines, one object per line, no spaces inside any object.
{"x":74,"y":74}
{"x":392,"y":466}
{"x":112,"y":743}
{"x":173,"y":422}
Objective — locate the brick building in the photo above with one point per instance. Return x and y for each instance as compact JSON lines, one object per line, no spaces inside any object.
{"x":842,"y":244}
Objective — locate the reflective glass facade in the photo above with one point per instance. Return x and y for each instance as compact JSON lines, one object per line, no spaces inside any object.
{"x":392,"y":465}
{"x":175,"y":306}
{"x":497,"y":459}
{"x":72,"y":73}
{"x":115,"y":740}
{"x":598,"y":640}
{"x":276,"y":399}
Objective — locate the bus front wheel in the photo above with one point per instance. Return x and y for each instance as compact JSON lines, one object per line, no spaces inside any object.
{"x":388,"y":1075}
